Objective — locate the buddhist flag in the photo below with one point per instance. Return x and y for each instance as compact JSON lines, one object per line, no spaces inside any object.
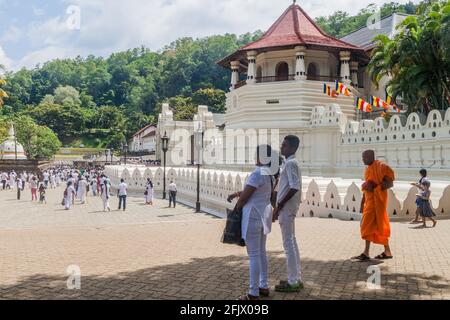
{"x":363,"y":105}
{"x":342,"y":88}
{"x":328,"y":91}
{"x":378,"y":103}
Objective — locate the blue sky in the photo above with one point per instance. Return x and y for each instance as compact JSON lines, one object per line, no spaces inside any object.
{"x":35,"y":31}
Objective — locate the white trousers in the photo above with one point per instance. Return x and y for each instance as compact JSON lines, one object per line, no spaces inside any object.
{"x":287,"y":224}
{"x":105,"y":203}
{"x":256,"y":250}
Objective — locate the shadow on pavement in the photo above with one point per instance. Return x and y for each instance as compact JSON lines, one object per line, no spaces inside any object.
{"x":225,"y":278}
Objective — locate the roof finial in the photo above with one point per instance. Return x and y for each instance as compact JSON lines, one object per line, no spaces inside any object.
{"x":295,"y":1}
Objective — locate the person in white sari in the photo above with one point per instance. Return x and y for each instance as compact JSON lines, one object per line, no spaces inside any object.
{"x":105,"y":194}
{"x":149,"y":192}
{"x":254,"y":201}
{"x":82,"y":190}
{"x":68,"y":195}
{"x":12,"y":180}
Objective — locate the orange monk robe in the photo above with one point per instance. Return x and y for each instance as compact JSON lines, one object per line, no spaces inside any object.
{"x":375,"y":220}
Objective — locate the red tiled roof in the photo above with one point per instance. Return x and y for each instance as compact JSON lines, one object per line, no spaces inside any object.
{"x":145,"y":128}
{"x":295,"y":27}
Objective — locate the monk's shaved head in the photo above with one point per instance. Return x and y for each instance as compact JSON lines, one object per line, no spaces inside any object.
{"x":368,"y":157}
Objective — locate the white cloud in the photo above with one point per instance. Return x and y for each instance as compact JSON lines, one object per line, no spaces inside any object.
{"x":4,"y":60}
{"x":12,"y":34}
{"x":112,"y":25}
{"x":38,"y":11}
{"x":42,"y":55}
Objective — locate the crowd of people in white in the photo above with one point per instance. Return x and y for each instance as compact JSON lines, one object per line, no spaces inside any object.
{"x":78,"y":184}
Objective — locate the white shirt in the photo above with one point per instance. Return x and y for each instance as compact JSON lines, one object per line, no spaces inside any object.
{"x":172,"y":187}
{"x":123,"y":189}
{"x":46,"y":176}
{"x":290,"y":178}
{"x":259,"y":202}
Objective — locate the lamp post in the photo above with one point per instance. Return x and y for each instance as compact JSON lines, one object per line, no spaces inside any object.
{"x":125,"y":150}
{"x":106,"y":157}
{"x":164,"y":147}
{"x":111,"y":155}
{"x":199,"y":145}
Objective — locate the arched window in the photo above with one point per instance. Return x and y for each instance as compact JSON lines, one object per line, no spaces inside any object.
{"x":282,"y":71}
{"x":259,"y":74}
{"x":313,"y":71}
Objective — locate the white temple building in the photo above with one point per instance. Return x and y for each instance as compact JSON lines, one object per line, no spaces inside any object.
{"x":277,"y":86}
{"x":10,"y":149}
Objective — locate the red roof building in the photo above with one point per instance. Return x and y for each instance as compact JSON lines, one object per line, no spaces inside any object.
{"x":296,"y":31}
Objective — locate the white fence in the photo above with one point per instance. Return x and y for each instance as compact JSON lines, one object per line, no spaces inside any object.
{"x":321,"y":197}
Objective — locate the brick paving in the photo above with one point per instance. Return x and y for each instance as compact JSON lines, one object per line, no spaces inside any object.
{"x":160,"y":253}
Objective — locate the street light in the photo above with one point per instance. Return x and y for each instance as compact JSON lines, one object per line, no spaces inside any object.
{"x":125,"y":150}
{"x":106,"y":157}
{"x":164,"y":147}
{"x":111,"y":154}
{"x":199,"y":145}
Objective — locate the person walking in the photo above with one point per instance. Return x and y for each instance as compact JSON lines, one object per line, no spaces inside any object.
{"x":172,"y":194}
{"x":375,"y":225}
{"x":94,"y":186}
{"x":105,"y":194}
{"x":82,"y":189}
{"x":46,"y":178}
{"x":122,"y":193}
{"x":4,"y":177}
{"x":69,"y":194}
{"x":33,"y":187}
{"x":425,"y":208}
{"x":42,"y":194}
{"x":254,"y":201}
{"x":287,"y":205}
{"x":423,"y":177}
{"x":149,"y":192}
{"x":19,"y":183}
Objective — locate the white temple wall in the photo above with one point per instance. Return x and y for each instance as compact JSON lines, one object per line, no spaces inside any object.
{"x":321,"y":197}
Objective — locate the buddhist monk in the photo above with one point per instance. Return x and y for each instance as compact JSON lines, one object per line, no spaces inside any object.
{"x":375,"y":227}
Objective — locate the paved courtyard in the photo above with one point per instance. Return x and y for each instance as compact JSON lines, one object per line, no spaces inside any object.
{"x":161,"y":253}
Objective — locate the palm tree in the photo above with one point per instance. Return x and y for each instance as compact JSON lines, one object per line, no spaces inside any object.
{"x":417,"y":59}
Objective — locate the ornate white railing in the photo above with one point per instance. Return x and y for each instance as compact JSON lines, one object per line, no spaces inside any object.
{"x":321,"y":197}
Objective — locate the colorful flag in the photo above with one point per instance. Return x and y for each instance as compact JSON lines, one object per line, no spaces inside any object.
{"x":328,"y":91}
{"x":363,"y":105}
{"x":342,"y":88}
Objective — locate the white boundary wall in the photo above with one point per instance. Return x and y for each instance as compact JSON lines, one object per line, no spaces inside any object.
{"x":321,"y":197}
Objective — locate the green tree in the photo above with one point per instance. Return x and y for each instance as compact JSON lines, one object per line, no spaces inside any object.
{"x":215,"y":99}
{"x":416,"y":60}
{"x":65,"y":120}
{"x":67,"y":95}
{"x":39,"y":142}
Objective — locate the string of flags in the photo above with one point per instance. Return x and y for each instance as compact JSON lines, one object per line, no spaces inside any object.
{"x":361,"y":104}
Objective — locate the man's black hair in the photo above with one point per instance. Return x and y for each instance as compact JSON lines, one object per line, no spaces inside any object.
{"x":423,"y":172}
{"x":293,"y":141}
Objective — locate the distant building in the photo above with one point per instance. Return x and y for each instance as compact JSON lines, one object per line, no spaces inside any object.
{"x":144,"y":142}
{"x":364,"y":38}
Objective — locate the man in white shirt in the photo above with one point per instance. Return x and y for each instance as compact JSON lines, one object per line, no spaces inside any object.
{"x":46,"y":178}
{"x":172,"y":194}
{"x":122,"y":192}
{"x":288,"y":203}
{"x":4,"y":176}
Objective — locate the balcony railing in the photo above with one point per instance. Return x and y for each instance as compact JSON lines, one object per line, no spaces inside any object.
{"x":275,"y":78}
{"x":240,"y":84}
{"x":323,"y":78}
